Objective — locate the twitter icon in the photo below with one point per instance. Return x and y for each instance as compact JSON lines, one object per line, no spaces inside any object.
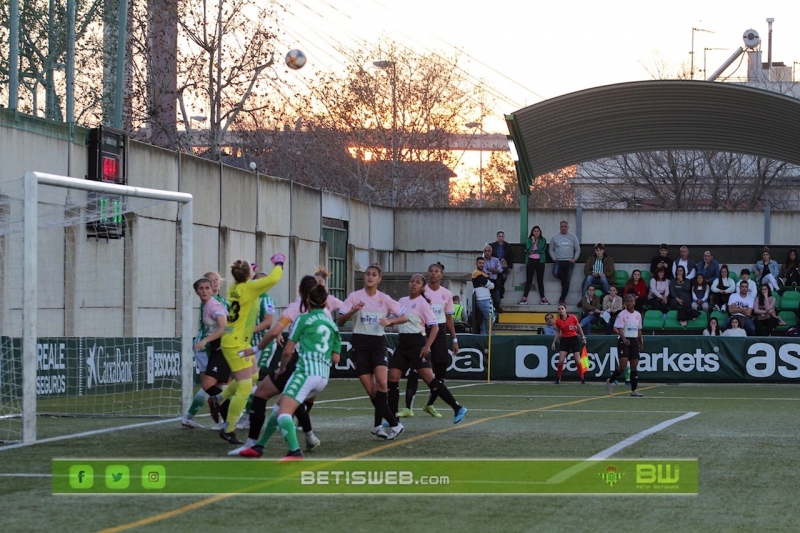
{"x":117,"y":477}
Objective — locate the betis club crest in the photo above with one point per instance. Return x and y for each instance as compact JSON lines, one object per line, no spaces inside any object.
{"x":611,"y":476}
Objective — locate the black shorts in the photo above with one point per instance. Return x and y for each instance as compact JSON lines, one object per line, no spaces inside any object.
{"x":570,"y":344}
{"x":369,"y":351}
{"x":217,"y":365}
{"x":439,"y":352}
{"x":631,"y":351}
{"x":281,"y":381}
{"x":406,"y":355}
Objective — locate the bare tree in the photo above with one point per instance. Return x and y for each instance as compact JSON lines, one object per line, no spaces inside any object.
{"x":211,"y":59}
{"x":42,"y":55}
{"x":684,"y":180}
{"x":501,"y":186}
{"x":380,"y":132}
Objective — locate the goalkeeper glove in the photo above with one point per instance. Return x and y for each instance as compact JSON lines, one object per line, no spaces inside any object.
{"x":278,"y":259}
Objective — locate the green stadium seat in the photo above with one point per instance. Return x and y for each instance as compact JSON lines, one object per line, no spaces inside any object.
{"x":721,"y":317}
{"x":646,"y":277}
{"x":734,"y":276}
{"x":653,"y":320}
{"x":698,"y":324}
{"x":789,"y":317}
{"x":790,"y":301}
{"x":671,"y":322}
{"x":777,"y":297}
{"x":621,"y":278}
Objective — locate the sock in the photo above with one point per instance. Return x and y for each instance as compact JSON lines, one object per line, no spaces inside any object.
{"x":247,"y":405}
{"x":382,"y":409}
{"x":560,"y":369}
{"x":228,"y":391}
{"x":258,"y":412}
{"x":238,"y":400}
{"x":394,"y":396}
{"x":272,"y":425}
{"x":634,"y":379}
{"x":223,"y":410}
{"x":438,"y":387}
{"x":197,"y":402}
{"x":302,"y":417}
{"x":289,"y":431}
{"x":411,"y":389}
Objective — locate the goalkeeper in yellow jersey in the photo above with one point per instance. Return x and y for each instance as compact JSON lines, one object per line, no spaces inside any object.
{"x":242,"y":311}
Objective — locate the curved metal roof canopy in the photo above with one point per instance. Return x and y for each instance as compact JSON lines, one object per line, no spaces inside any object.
{"x":654,"y":115}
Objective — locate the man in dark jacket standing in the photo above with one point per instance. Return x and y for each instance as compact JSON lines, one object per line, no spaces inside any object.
{"x":502,"y":250}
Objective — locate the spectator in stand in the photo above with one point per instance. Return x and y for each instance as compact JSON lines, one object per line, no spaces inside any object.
{"x":790,"y":270}
{"x":503,"y":252}
{"x":591,"y":309}
{"x":751,"y":285}
{"x":680,"y":292}
{"x":535,"y":259}
{"x":734,"y":330}
{"x":708,"y":267}
{"x":612,"y":304}
{"x":598,"y":268}
{"x":493,"y":269}
{"x":722,"y":289}
{"x":661,"y":261}
{"x":638,"y":288}
{"x":740,"y":307}
{"x":564,"y":250}
{"x":767,"y":318}
{"x":459,"y":313}
{"x":712,"y":329}
{"x":550,"y":327}
{"x":686,"y":262}
{"x":767,"y":271}
{"x":700,"y":292}
{"x":659,"y":291}
{"x":482,"y":287}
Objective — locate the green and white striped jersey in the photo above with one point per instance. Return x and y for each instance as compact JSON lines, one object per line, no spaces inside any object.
{"x":317,"y":337}
{"x":266,"y":306}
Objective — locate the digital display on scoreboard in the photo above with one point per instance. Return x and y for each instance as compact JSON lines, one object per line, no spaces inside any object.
{"x":107,"y":156}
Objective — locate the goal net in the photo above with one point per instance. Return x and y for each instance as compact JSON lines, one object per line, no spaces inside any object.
{"x":95,"y":305}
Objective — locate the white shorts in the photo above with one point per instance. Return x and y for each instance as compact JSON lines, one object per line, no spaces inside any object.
{"x":200,"y":361}
{"x":299,"y":387}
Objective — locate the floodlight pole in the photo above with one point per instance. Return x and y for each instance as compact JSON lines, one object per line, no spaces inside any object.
{"x":13,"y":56}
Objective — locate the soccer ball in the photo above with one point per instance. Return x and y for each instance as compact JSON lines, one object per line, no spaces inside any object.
{"x":295,"y":59}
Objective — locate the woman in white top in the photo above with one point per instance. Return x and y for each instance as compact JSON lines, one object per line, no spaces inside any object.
{"x":713,"y":327}
{"x":700,"y":292}
{"x":414,"y":348}
{"x":721,"y":289}
{"x":659,"y":291}
{"x":734,"y":330}
{"x":372,"y":311}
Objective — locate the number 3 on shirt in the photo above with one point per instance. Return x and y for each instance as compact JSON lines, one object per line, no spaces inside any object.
{"x":322,"y":346}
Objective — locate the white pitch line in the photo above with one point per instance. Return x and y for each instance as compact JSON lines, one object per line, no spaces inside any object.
{"x":608,"y":452}
{"x":26,"y":475}
{"x":154,"y":423}
{"x":88,"y":434}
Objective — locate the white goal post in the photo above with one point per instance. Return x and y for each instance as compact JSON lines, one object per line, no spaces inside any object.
{"x":30,"y":285}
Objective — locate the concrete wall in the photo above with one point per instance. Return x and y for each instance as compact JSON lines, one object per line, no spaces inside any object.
{"x":241,"y":214}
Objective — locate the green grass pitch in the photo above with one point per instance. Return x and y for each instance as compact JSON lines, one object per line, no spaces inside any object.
{"x":745,"y":438}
